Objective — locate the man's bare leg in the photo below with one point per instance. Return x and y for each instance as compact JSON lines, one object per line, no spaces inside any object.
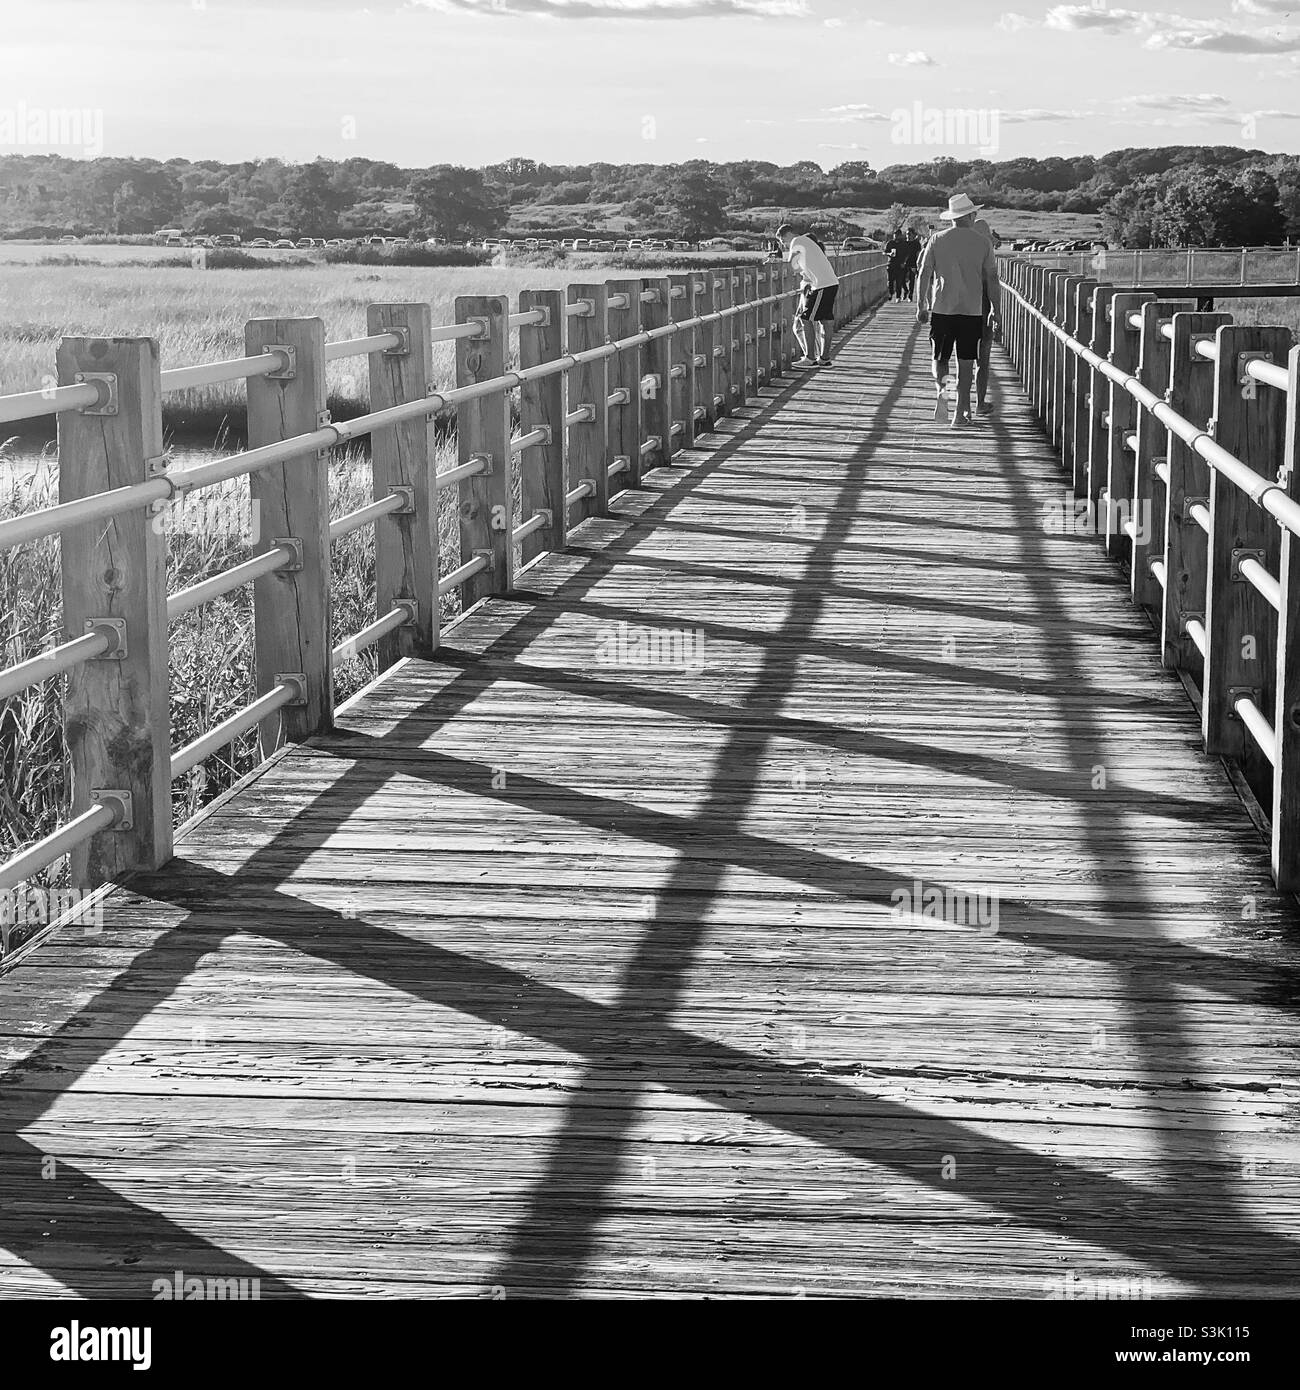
{"x":965,"y":373}
{"x":940,"y":370}
{"x":824,"y":329}
{"x":801,"y":335}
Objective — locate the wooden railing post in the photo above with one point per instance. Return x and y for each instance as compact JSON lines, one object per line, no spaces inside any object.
{"x":1286,"y":716}
{"x":722,"y":339}
{"x":1098,"y":395}
{"x":1066,"y":364}
{"x":1051,"y":357}
{"x":116,"y":721}
{"x":588,"y":391}
{"x":739,"y":391}
{"x":402,"y":458}
{"x":749,"y":331}
{"x":656,"y":362}
{"x":542,"y":482}
{"x":292,"y":609}
{"x":1037,"y":338}
{"x":623,"y":320}
{"x":706,"y":338}
{"x":766,"y":318}
{"x":1249,"y":422}
{"x":483,"y":431}
{"x":1125,"y":346}
{"x":1150,"y":503}
{"x":1191,"y":394}
{"x":682,"y":307}
{"x":1081,"y":381}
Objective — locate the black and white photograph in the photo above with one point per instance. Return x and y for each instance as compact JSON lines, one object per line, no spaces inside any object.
{"x":650,"y":653}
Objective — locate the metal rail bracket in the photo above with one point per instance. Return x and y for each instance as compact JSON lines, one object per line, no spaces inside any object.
{"x":106,"y":384}
{"x":290,"y":356}
{"x":1238,"y":556}
{"x":1247,"y":382}
{"x":293,"y":543}
{"x":403,"y":346}
{"x":298,"y":679}
{"x":114,"y":629}
{"x":119,"y":801}
{"x":407,"y":494}
{"x":1239,"y":692}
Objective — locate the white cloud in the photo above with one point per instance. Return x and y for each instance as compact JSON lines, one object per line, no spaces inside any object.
{"x":1225,"y":41}
{"x":1013,"y":22}
{"x":1031,"y":114}
{"x":913,"y":58}
{"x":626,"y":9}
{"x":1264,"y":7}
{"x":1090,"y":17}
{"x":1176,"y":101}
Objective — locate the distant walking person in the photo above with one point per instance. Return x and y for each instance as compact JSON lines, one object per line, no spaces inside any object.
{"x":814,"y":319}
{"x":987,"y":334}
{"x":957,"y":271}
{"x":896,"y":251}
{"x":914,"y":247}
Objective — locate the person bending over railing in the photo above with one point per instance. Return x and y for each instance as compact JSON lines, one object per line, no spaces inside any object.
{"x":957,"y":270}
{"x":814,"y":320}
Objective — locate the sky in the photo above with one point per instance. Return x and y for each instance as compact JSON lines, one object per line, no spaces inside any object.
{"x":420,"y":82}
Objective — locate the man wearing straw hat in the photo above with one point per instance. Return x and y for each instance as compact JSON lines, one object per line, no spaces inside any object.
{"x":957,"y":270}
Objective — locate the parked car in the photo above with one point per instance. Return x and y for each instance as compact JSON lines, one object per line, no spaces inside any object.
{"x":67,"y":238}
{"x":226,"y":239}
{"x":284,"y":244}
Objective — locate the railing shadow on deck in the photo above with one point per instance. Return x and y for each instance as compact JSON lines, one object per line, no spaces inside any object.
{"x":553,"y":1243}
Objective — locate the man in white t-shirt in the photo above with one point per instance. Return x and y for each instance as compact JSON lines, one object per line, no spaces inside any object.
{"x":814,"y":320}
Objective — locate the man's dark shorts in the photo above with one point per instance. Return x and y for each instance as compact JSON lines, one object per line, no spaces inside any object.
{"x":962,"y":331}
{"x":818,"y":304}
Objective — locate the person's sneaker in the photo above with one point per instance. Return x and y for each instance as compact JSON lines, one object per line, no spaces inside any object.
{"x":823,"y":361}
{"x":961,"y":420}
{"x":805,"y":362}
{"x":941,"y":410}
{"x":984,"y":408}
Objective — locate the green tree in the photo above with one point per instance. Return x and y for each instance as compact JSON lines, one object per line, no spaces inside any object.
{"x":696,"y":203}
{"x":456,"y":202}
{"x":312,"y":201}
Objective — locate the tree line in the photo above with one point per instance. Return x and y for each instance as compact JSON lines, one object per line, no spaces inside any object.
{"x":1174,"y":195}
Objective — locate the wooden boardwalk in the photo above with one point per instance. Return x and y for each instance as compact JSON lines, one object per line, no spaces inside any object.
{"x":553,"y":975}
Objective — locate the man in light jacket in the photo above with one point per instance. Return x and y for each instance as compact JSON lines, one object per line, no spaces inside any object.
{"x":957,"y":270}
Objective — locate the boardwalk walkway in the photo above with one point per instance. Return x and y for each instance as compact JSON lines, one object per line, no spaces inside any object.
{"x":551,"y":975}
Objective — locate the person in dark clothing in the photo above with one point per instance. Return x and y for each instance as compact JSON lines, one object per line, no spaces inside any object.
{"x":896,"y":251}
{"x":914,"y":249}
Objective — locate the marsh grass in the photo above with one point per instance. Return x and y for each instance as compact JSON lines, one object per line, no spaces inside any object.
{"x":211,"y":668}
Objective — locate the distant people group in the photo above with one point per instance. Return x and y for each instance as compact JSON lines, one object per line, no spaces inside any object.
{"x":954,"y":279}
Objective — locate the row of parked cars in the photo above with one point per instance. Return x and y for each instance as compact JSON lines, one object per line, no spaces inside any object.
{"x":1081,"y":245}
{"x":172,"y":236}
{"x":534,"y":243}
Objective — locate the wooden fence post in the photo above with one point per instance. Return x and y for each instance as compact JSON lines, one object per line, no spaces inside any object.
{"x":706,"y":338}
{"x":1065,"y":372}
{"x":656,"y":362}
{"x":681,"y":308}
{"x":739,"y":391}
{"x":1098,"y":395}
{"x":1052,"y":358}
{"x":588,"y":391}
{"x":292,"y":613}
{"x":1191,"y":394}
{"x":543,"y":473}
{"x":748,"y":323}
{"x":1154,"y":351}
{"x":722,"y":337}
{"x":1286,"y":718}
{"x":1125,"y":347}
{"x":763,"y":341}
{"x":1037,"y":335}
{"x":623,"y":320}
{"x":483,"y":431}
{"x":116,"y":714}
{"x":402,"y":458}
{"x":1079,"y":423}
{"x":1250,"y":421}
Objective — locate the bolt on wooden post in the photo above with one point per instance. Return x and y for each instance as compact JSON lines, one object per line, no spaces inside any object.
{"x":1152,"y":371}
{"x":623,"y":320}
{"x":292,"y":612}
{"x":402,"y":458}
{"x":116,"y":714}
{"x":588,"y":392}
{"x":542,"y":467}
{"x":1240,"y":624}
{"x":483,"y":431}
{"x":1191,"y":394}
{"x":657,"y":359}
{"x":1286,"y":717}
